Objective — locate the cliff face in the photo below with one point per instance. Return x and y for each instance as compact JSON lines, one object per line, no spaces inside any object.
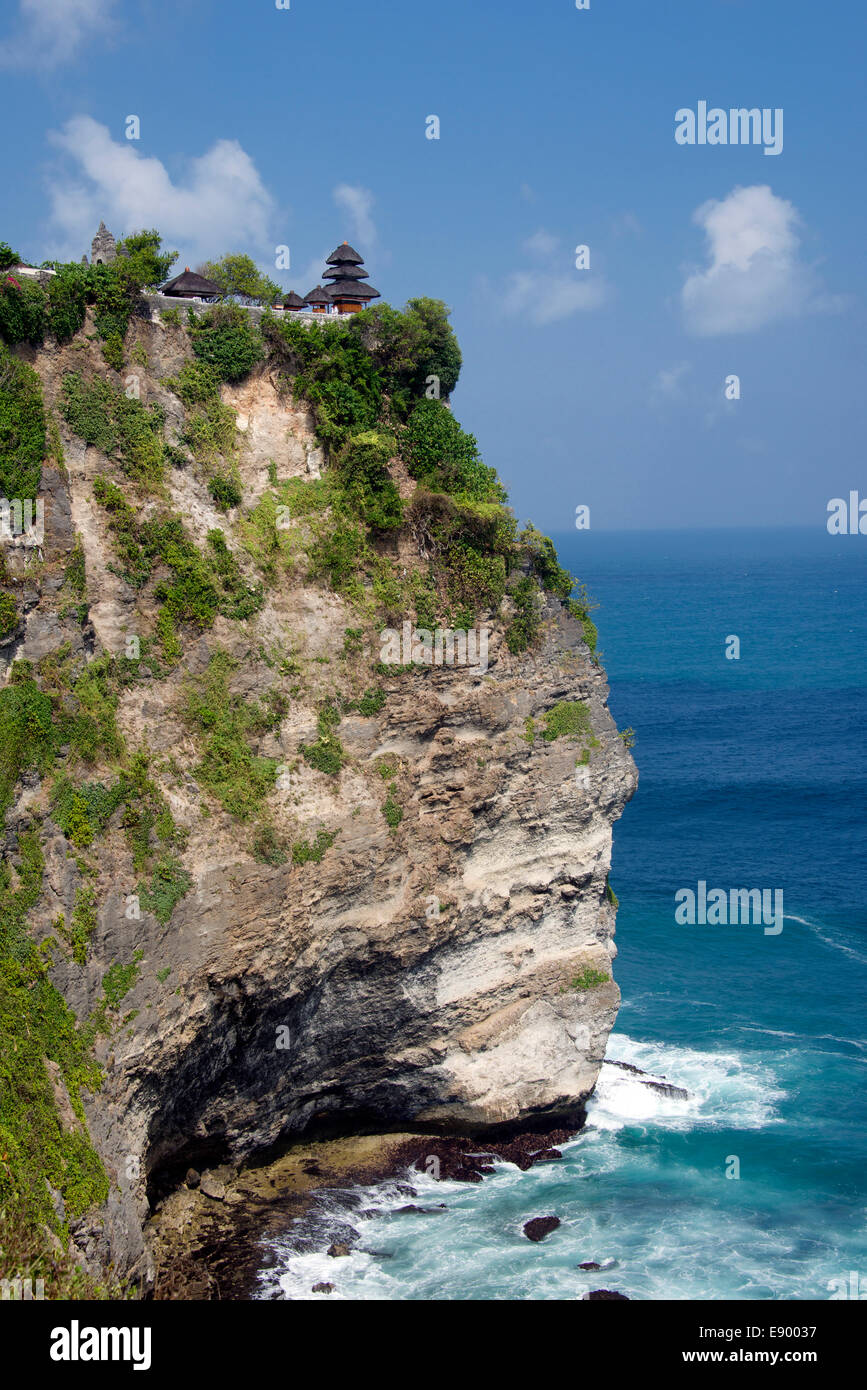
{"x":439,"y":967}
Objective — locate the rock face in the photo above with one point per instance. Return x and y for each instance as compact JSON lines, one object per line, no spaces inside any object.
{"x":418,"y":977}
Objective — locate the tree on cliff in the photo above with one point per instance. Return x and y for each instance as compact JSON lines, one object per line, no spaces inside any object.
{"x":140,"y":261}
{"x":240,"y":278}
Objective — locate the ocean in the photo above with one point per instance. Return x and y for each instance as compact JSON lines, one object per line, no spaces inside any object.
{"x":753,"y":774}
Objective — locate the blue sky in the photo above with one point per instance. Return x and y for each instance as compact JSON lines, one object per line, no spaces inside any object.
{"x":262,"y":127}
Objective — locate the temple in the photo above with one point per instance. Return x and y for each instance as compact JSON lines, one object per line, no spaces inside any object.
{"x":346,"y":274}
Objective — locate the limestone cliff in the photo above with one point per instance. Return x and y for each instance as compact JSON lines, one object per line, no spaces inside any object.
{"x":433,"y":952}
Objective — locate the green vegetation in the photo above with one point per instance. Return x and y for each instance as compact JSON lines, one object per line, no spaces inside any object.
{"x":22,"y":427}
{"x":268,"y":848}
{"x":391,"y":810}
{"x":326,"y":754}
{"x":567,"y":719}
{"x":224,"y":721}
{"x":82,"y":923}
{"x":169,"y":882}
{"x":238,"y":276}
{"x":83,"y":812}
{"x":365,"y":481}
{"x":35,"y":1026}
{"x":611,"y":895}
{"x":225,"y":492}
{"x":590,"y":978}
{"x":120,"y":426}
{"x":529,"y":733}
{"x":371,"y":702}
{"x":118,"y":980}
{"x":28,"y":736}
{"x":628,"y":736}
{"x":524,"y":629}
{"x":202,"y":584}
{"x":304,"y":853}
{"x":441,"y":455}
{"x":28,"y":310}
{"x":8,"y":614}
{"x":226,"y":338}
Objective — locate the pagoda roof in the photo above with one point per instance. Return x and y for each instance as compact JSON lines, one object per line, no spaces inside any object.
{"x":346,"y":272}
{"x":351,"y":289}
{"x":346,"y":254}
{"x":188,"y":282}
{"x":293,"y":301}
{"x":191,"y":282}
{"x":318,"y":296}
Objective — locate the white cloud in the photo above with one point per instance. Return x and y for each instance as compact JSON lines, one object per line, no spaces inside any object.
{"x":547,"y":294}
{"x":50,"y":32}
{"x":222,"y":204}
{"x":754,"y":275}
{"x":357,"y":203}
{"x":541,"y":243}
{"x":545,"y":298}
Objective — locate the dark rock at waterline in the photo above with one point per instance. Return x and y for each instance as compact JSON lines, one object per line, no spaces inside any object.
{"x":540,"y":1227}
{"x":338,"y":1250}
{"x":604,"y":1295}
{"x":459,"y":1159}
{"x":421,"y":1211}
{"x":405,"y":1190}
{"x":322,"y":1288}
{"x":589,"y":1264}
{"x":664,"y":1087}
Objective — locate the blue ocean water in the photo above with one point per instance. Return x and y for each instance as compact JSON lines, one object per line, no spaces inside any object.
{"x":753,"y":774}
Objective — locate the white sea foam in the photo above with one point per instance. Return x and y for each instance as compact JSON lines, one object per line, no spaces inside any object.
{"x":822,"y":935}
{"x":725,"y":1090}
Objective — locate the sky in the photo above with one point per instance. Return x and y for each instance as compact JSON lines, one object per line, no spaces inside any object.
{"x":261,"y":127}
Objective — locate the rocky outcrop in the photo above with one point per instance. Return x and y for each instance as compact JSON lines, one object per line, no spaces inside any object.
{"x":428,"y":975}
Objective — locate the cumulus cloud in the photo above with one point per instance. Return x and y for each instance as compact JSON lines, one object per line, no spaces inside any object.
{"x":49,"y":33}
{"x":755,"y":274}
{"x":221,"y":205}
{"x":357,"y":203}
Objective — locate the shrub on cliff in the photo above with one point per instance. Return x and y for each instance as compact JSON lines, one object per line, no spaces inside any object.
{"x":26,"y":734}
{"x":35,"y":1025}
{"x":226,"y":338}
{"x":22,"y":428}
{"x":415,"y":351}
{"x":22,"y":310}
{"x":118,"y":425}
{"x":440,"y":454}
{"x":365,"y":482}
